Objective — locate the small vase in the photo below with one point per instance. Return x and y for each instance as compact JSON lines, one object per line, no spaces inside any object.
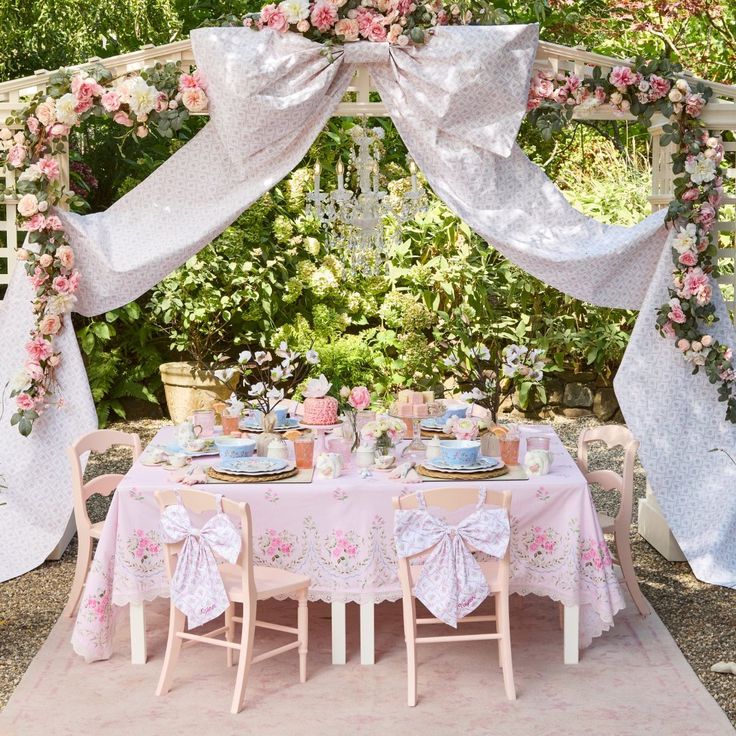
{"x":265,"y":438}
{"x":350,"y":430}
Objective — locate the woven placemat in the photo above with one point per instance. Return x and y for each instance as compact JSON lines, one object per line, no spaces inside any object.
{"x":480,"y":475}
{"x":233,"y":478}
{"x":427,"y":434}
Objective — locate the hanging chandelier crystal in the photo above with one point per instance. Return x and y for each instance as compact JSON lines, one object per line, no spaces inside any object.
{"x":357,"y":221}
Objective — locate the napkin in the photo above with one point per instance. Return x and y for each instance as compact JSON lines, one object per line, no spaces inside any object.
{"x":195,"y":474}
{"x":405,"y":472}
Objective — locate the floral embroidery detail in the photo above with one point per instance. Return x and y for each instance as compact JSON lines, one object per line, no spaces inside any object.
{"x":96,"y":607}
{"x":595,"y":554}
{"x":339,"y":495}
{"x":343,"y":548}
{"x":271,"y":495}
{"x":145,"y":552}
{"x":543,"y":494}
{"x":135,"y":494}
{"x":277,"y":546}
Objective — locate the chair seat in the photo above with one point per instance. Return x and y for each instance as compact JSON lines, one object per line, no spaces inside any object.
{"x":270,"y":582}
{"x":606,"y":522}
{"x":95,"y":530}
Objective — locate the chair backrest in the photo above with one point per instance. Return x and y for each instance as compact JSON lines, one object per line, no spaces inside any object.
{"x":201,"y":502}
{"x":612,"y":435}
{"x":451,"y":499}
{"x":100,"y":440}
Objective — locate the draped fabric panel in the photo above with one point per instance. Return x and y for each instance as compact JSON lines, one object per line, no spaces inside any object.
{"x":457,"y":103}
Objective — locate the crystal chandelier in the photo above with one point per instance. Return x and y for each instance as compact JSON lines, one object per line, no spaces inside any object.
{"x":356,"y":220}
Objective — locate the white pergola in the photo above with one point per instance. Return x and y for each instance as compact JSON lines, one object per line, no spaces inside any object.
{"x":718,"y":116}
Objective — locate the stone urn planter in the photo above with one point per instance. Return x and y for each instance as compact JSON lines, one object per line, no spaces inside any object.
{"x":188,"y":389}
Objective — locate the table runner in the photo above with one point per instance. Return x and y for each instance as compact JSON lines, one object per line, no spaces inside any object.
{"x":340,"y":533}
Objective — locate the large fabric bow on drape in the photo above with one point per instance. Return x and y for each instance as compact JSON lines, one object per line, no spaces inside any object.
{"x":451,"y":583}
{"x":196,"y":587}
{"x":457,"y":102}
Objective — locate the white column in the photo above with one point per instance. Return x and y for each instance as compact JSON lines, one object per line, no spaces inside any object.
{"x":571,"y":633}
{"x":338,"y":632}
{"x":138,"y":653}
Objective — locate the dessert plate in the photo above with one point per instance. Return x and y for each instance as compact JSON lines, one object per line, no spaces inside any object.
{"x":253,"y":466}
{"x":483,"y":463}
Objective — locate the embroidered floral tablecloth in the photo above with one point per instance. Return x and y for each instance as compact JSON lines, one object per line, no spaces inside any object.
{"x":339,"y":533}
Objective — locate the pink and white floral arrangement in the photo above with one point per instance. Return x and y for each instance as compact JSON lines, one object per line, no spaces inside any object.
{"x":464,"y":428}
{"x":30,"y":140}
{"x":352,"y":401}
{"x":384,"y":430}
{"x":649,"y":87}
{"x":400,"y":22}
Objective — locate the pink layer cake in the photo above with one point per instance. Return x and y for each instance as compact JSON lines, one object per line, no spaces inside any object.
{"x":320,"y":411}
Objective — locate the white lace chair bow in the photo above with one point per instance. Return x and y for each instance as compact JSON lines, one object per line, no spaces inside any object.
{"x":451,"y":583}
{"x":196,"y":587}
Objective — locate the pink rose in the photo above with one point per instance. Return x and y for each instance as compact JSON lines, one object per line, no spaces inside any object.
{"x":54,"y":223}
{"x":141,"y":131}
{"x":85,"y":87}
{"x":46,"y":259}
{"x":194,"y":99}
{"x":688,"y":258}
{"x":49,"y":168}
{"x":38,"y":349}
{"x":694,"y":104}
{"x":676,"y":314}
{"x":162,"y":102}
{"x":621,"y":77}
{"x":33,"y":370}
{"x":39,"y":278}
{"x":377,"y":31}
{"x":190,"y":81}
{"x":360,"y":398}
{"x":690,"y":195}
{"x":61,"y":285}
{"x":668,"y":330}
{"x":658,"y":87}
{"x":706,"y":340}
{"x":121,"y":118}
{"x":33,"y":125}
{"x":22,"y":254}
{"x":83,"y":105}
{"x":324,"y":15}
{"x":277,"y":21}
{"x":50,"y":324}
{"x":24,"y":402}
{"x":55,"y":359}
{"x":683,"y":344}
{"x":544,"y":88}
{"x":347,"y":28}
{"x":706,"y":214}
{"x":303,"y":26}
{"x":36,"y":223}
{"x":58,"y":130}
{"x":111,"y":101}
{"x":600,"y":95}
{"x":74,"y":282}
{"x":16,"y":156}
{"x":65,"y":255}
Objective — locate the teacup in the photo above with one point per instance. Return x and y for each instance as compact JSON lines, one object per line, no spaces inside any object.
{"x":178,"y":460}
{"x":383,"y":461}
{"x":281,"y":416}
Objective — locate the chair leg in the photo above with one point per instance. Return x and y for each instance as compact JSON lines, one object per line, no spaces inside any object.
{"x":504,"y":628}
{"x":303,"y":626}
{"x":174,"y":643}
{"x":496,"y":609}
{"x":245,"y":656}
{"x":229,"y":632}
{"x":410,"y":635}
{"x":84,"y":557}
{"x":623,"y":552}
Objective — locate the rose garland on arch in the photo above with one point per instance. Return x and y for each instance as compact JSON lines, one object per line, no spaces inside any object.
{"x":649,"y":87}
{"x":160,"y":99}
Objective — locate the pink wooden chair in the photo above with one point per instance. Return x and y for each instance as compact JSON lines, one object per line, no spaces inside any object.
{"x":615,"y":435}
{"x":98,"y":441}
{"x":245,"y":584}
{"x":496,"y":573}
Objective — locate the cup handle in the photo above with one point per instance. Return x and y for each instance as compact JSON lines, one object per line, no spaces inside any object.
{"x":197,"y":429}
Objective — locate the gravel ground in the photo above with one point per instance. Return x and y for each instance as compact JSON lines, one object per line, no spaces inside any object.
{"x":700,"y":617}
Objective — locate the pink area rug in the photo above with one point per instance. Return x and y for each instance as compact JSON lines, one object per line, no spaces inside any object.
{"x":632,"y":681}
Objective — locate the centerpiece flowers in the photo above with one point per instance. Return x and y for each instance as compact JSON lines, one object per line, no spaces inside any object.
{"x":352,"y":402}
{"x":270,"y":376}
{"x":487,"y":375}
{"x":400,"y":22}
{"x":383,"y":432}
{"x":464,"y":428}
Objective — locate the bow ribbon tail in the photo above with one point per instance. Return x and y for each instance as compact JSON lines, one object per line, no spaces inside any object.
{"x":471,"y":581}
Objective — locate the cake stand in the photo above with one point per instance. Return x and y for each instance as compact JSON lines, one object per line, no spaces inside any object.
{"x":321,"y":430}
{"x":417,"y":446}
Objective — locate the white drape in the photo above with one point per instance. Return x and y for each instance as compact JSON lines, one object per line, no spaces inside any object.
{"x":457,"y":103}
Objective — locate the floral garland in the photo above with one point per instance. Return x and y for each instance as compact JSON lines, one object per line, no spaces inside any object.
{"x":658,"y":86}
{"x":159,"y":98}
{"x":400,"y":22}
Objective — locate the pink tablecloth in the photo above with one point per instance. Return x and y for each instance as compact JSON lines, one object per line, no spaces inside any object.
{"x":339,"y":533}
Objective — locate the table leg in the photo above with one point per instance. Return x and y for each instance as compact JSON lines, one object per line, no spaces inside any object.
{"x":367,"y":633}
{"x":571,"y":634}
{"x":138,"y":652}
{"x":338,"y":632}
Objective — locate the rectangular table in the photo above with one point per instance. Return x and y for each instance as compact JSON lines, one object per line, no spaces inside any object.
{"x":340,"y":533}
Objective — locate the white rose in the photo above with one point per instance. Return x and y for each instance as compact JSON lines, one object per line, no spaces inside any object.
{"x":616,"y":98}
{"x":712,"y":142}
{"x":706,"y":341}
{"x":65,"y":112}
{"x":682,"y":86}
{"x":19,"y":138}
{"x":141,"y":96}
{"x":32,"y":173}
{"x":675,"y":95}
{"x":20,"y":382}
{"x":6,"y":134}
{"x":43,"y":205}
{"x":28,"y":205}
